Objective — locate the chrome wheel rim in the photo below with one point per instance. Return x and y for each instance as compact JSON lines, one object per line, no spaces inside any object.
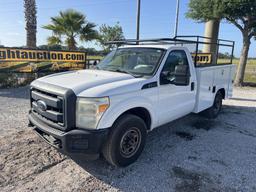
{"x":130,"y":142}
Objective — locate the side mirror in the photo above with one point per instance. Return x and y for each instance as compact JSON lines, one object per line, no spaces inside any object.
{"x":165,"y":77}
{"x":182,"y":75}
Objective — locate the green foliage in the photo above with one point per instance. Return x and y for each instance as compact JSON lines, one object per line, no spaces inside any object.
{"x":54,"y":40}
{"x":110,"y":33}
{"x":224,"y":55}
{"x":70,"y":25}
{"x":241,"y":13}
{"x":88,"y":33}
{"x":52,"y":47}
{"x":239,"y":9}
{"x":204,"y":10}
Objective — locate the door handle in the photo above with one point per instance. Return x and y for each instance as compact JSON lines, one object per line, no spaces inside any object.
{"x":192,"y":86}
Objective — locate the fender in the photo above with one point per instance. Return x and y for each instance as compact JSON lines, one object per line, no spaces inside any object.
{"x":123,"y":105}
{"x":218,"y":88}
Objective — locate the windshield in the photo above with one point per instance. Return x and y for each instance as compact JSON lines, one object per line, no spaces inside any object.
{"x":135,"y":61}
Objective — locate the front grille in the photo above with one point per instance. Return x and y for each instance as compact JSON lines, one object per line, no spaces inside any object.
{"x":53,"y":106}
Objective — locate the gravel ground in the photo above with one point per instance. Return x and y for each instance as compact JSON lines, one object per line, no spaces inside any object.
{"x":190,"y":154}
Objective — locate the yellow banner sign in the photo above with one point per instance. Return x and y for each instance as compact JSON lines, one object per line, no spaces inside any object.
{"x":202,"y":58}
{"x":12,"y":54}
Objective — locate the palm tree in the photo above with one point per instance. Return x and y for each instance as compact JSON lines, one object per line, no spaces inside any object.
{"x":70,"y":25}
{"x":31,"y":23}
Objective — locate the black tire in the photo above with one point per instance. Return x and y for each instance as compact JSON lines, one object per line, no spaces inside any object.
{"x":215,"y":109}
{"x":126,"y":141}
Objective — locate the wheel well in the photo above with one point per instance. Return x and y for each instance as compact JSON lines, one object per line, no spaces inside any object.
{"x":142,"y":113}
{"x":222,"y":91}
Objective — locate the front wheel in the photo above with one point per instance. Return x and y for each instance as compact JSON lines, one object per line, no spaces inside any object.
{"x":126,"y":141}
{"x":215,"y":109}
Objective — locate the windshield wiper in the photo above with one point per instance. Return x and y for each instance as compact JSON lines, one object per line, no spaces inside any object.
{"x":127,"y":72}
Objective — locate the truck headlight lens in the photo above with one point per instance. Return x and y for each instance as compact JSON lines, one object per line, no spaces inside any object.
{"x":89,"y":111}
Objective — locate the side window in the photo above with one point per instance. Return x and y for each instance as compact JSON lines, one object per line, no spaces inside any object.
{"x":175,"y":58}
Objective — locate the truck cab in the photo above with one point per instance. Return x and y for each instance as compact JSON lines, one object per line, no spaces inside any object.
{"x":133,"y":90}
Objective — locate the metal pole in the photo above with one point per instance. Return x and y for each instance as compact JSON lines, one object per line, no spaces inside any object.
{"x":177,"y":18}
{"x":138,"y":20}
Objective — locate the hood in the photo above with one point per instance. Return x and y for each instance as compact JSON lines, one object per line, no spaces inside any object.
{"x":83,"y":80}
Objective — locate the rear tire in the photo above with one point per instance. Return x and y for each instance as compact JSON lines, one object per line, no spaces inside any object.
{"x":126,"y":141}
{"x":215,"y":109}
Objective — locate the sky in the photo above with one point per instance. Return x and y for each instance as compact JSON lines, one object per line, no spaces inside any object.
{"x":157,"y":20}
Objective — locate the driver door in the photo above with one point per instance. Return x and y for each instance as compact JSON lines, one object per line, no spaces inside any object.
{"x":175,"y":100}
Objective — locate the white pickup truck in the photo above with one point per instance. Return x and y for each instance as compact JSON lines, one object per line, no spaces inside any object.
{"x":136,"y":88}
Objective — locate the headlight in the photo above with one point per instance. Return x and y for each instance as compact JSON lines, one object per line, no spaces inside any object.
{"x":89,"y":111}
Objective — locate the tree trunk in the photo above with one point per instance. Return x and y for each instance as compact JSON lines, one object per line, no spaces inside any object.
{"x":243,"y":61}
{"x":71,"y":43}
{"x":31,"y":22}
{"x":31,"y":38}
{"x":211,"y":31}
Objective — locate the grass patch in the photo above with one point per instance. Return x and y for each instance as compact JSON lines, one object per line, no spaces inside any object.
{"x":250,"y":71}
{"x":94,"y":57}
{"x":251,"y":78}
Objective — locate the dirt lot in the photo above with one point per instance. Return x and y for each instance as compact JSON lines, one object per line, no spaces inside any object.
{"x":190,"y":154}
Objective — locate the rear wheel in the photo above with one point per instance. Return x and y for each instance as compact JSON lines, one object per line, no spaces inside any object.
{"x":126,"y":141}
{"x":215,"y":109}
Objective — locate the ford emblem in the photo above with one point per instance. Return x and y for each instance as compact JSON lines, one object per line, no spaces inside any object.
{"x":41,"y":105}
